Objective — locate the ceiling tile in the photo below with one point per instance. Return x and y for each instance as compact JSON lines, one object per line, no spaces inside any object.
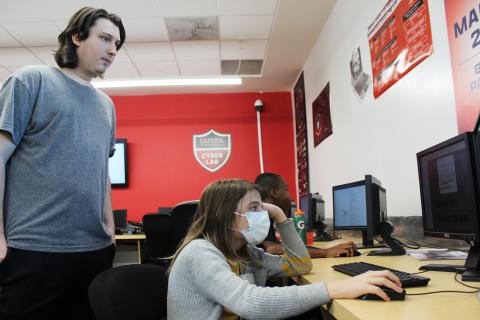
{"x":33,"y":33}
{"x":189,"y":8}
{"x":196,"y":50}
{"x":157,"y":69}
{"x":249,"y":49}
{"x":155,"y":51}
{"x":192,"y":28}
{"x":247,"y":7}
{"x":245,"y":27}
{"x":199,"y":68}
{"x":121,"y":56}
{"x":17,"y":57}
{"x":132,"y":9}
{"x":145,"y":29}
{"x":7,"y":40}
{"x":121,"y":70}
{"x":45,"y":54}
{"x":4,"y":73}
{"x":16,"y":10}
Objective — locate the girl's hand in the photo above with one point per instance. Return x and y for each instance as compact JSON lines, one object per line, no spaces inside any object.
{"x":275,"y":213}
{"x":364,"y":283}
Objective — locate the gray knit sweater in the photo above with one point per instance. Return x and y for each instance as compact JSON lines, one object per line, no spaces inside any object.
{"x":201,"y":283}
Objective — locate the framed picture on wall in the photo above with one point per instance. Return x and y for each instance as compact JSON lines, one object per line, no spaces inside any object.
{"x":322,"y":123}
{"x":301,"y":136}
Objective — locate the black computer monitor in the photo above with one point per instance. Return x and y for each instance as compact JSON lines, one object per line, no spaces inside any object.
{"x":449,"y":175}
{"x":477,"y":126}
{"x":313,"y":207}
{"x":117,"y":165}
{"x":120,"y":221}
{"x":362,"y":205}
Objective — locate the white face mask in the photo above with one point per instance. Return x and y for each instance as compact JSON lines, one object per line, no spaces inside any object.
{"x":258,"y":226}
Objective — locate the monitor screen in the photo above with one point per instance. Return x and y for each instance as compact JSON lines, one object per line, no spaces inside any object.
{"x":361,"y":206}
{"x":448,"y":190}
{"x":120,"y":220}
{"x":350,"y":206}
{"x":450,"y":194}
{"x":117,"y":164}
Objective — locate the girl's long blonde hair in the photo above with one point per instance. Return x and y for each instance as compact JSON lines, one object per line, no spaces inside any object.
{"x":214,"y":218}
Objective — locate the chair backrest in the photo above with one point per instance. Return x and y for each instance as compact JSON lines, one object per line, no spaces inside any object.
{"x":165,"y":210}
{"x":182,"y":217}
{"x":159,"y":235}
{"x":137,"y":291}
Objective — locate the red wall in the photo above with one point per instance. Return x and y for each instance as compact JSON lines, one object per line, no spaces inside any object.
{"x":162,"y":170}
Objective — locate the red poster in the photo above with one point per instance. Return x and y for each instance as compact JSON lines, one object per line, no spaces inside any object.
{"x":322,"y":123}
{"x":464,"y":38}
{"x":400,"y":38}
{"x":301,"y":132}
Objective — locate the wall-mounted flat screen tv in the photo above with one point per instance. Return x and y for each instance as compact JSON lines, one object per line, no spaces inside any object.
{"x":117,"y":165}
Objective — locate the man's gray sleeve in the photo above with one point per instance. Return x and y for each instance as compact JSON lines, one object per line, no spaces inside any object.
{"x":16,"y":107}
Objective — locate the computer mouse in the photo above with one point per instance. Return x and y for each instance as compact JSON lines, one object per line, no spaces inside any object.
{"x":394,"y":295}
{"x":355,"y":254}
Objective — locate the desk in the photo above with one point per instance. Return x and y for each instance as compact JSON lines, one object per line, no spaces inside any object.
{"x":138,"y":237}
{"x":434,"y":306}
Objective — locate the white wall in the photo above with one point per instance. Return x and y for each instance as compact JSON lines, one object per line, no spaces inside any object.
{"x":377,"y":136}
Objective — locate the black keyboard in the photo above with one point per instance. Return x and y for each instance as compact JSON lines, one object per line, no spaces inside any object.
{"x":407,"y":279}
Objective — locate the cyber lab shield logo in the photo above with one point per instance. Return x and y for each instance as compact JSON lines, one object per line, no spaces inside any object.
{"x":212,"y":149}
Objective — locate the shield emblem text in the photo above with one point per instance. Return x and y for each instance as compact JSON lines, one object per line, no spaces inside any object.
{"x":212,"y":149}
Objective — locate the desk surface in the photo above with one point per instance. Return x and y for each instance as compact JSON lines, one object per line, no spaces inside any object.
{"x":140,"y":236}
{"x":431,"y":306}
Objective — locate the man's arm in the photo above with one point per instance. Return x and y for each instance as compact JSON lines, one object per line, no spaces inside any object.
{"x":107,"y":210}
{"x":6,"y":149}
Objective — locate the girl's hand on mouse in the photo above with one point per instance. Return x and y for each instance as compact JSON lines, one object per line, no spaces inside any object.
{"x":364,"y":283}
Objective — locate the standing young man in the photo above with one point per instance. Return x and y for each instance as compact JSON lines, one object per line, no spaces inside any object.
{"x":274,"y":190}
{"x":56,"y":134}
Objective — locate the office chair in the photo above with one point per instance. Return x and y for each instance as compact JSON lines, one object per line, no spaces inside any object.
{"x":182,"y":217}
{"x":136,"y":291}
{"x":160,"y":241}
{"x":164,"y":210}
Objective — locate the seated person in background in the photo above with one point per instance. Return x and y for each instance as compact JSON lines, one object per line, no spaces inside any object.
{"x":218,"y":272}
{"x":274,"y":190}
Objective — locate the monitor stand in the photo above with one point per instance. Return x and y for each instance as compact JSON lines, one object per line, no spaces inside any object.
{"x":368,"y":243}
{"x":471,"y":270}
{"x":321,"y":234}
{"x":385,"y":229}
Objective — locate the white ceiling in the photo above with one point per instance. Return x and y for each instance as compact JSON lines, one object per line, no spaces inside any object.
{"x":279,"y":32}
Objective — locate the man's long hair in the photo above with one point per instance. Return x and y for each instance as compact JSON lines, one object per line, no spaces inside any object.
{"x":80,"y":24}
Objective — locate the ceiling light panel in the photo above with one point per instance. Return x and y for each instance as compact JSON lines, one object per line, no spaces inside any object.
{"x":196,"y":50}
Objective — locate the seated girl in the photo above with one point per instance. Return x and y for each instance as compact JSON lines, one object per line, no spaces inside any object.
{"x":219,"y":273}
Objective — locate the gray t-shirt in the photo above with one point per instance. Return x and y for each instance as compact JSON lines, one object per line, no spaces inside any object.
{"x":55,"y":181}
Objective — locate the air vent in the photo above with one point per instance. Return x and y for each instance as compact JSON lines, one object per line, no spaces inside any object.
{"x":247,"y":67}
{"x":192,"y":28}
